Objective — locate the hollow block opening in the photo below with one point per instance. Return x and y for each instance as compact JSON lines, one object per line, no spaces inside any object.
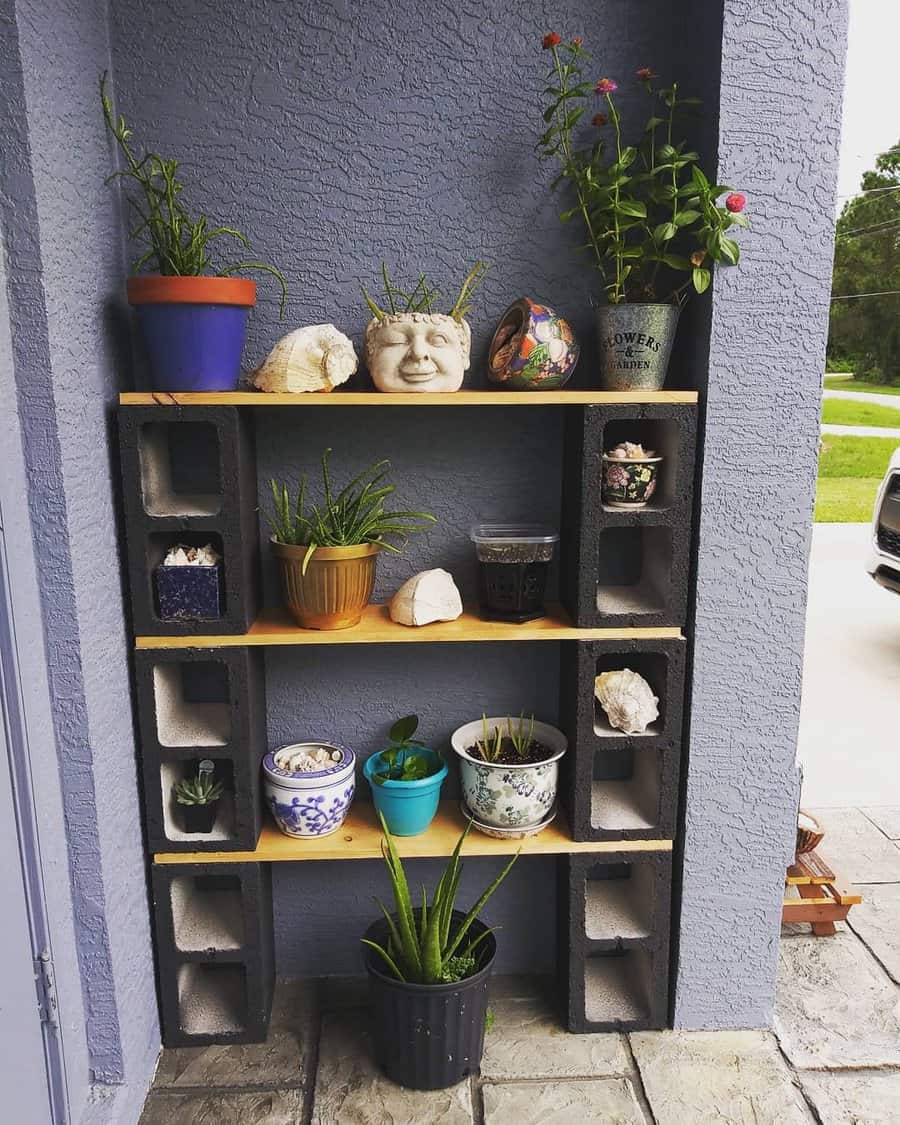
{"x":634,"y":573}
{"x":207,"y":912}
{"x":192,"y":706}
{"x":625,"y":789}
{"x":212,"y":999}
{"x":180,"y":468}
{"x":659,"y":435}
{"x":618,"y":900}
{"x":617,"y":986}
{"x":654,"y":667}
{"x":224,"y":828}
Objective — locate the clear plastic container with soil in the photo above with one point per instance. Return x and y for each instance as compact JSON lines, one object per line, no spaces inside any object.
{"x":513,"y":566}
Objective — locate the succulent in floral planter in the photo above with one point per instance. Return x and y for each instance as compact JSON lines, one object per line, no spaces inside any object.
{"x":428,"y":970}
{"x":309,"y":787}
{"x":629,"y":475}
{"x":328,"y":554}
{"x":191,"y":310}
{"x":509,"y":769}
{"x":198,"y":798}
{"x":653,"y":222}
{"x":412,"y":347}
{"x":406,"y":780}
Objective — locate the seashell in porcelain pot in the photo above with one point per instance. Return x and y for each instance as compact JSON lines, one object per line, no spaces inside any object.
{"x":627,"y":699}
{"x":316,"y":358}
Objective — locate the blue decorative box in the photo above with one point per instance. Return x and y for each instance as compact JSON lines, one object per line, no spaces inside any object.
{"x":189,"y":593}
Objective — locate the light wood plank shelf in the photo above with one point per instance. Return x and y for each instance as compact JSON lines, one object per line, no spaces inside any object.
{"x":376,"y":398}
{"x":359,"y":837}
{"x":276,"y":627}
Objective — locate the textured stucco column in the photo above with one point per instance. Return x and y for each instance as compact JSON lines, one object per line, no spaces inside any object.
{"x":781,"y":81}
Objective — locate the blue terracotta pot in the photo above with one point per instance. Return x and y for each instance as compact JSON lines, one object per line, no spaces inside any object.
{"x":408,"y":807}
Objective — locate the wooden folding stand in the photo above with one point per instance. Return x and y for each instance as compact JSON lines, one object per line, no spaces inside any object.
{"x":825,"y":898}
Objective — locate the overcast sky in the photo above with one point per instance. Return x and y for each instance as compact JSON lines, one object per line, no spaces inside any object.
{"x":871,"y":118}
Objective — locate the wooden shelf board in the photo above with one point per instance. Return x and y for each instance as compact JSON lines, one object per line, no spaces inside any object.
{"x":359,"y":837}
{"x":376,"y":398}
{"x":276,"y":627}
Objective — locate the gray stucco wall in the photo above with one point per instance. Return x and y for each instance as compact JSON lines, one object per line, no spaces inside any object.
{"x":62,"y":238}
{"x":779,"y":127}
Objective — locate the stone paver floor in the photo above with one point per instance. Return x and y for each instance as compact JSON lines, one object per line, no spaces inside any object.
{"x":833,"y":1057}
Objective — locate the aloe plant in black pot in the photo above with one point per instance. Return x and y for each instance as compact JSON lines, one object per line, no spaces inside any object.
{"x":428,"y":970}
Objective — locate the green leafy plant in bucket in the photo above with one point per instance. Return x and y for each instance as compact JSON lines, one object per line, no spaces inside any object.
{"x":347,"y":518}
{"x":200,"y":790}
{"x":177,"y":245}
{"x":403,"y":760}
{"x":491,"y":745}
{"x":423,"y":947}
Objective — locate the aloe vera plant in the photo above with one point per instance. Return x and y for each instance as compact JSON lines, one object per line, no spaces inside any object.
{"x":491,"y":744}
{"x":423,"y":946}
{"x":352,"y":516}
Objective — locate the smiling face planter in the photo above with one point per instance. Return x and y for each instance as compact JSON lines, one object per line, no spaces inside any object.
{"x":417,"y":351}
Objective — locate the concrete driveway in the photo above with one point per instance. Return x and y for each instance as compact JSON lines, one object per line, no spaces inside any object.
{"x":849,"y":741}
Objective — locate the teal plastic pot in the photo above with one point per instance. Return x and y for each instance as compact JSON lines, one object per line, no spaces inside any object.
{"x":408,"y":807}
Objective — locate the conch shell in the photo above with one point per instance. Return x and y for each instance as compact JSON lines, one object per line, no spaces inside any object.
{"x":428,"y":596}
{"x":316,"y":358}
{"x":627,"y":699}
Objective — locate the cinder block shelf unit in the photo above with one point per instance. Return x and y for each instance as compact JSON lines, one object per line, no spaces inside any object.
{"x":190,"y":476}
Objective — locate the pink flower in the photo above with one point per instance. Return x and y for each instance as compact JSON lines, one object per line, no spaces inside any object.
{"x":599,"y":119}
{"x":551,"y":39}
{"x":644,"y":73}
{"x":577,"y":41}
{"x":606,"y":86}
{"x":735,"y":202}
{"x":616,"y":476}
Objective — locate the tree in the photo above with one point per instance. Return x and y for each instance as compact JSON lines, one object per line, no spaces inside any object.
{"x":867,"y":260}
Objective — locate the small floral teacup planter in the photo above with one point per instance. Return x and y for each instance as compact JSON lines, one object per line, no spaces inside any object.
{"x":307,"y":801}
{"x":629,"y":476}
{"x":506,"y":794}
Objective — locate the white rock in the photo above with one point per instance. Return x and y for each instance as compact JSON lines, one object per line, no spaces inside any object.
{"x":428,"y":596}
{"x":315,"y":358}
{"x":191,"y":556}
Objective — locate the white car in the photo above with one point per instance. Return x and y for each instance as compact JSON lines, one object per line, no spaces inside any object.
{"x":884,"y":561}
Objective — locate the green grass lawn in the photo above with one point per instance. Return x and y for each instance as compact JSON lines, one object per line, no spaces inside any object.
{"x":845,"y":383}
{"x":845,"y":412}
{"x":850,"y":471}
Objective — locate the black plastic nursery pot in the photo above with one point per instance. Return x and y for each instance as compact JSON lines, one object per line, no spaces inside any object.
{"x":199,"y":818}
{"x":428,"y":1036}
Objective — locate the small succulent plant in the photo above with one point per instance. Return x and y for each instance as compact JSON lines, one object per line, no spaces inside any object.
{"x":200,"y":790}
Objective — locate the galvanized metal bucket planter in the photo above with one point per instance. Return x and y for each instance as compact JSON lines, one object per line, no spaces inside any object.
{"x":635,"y":342}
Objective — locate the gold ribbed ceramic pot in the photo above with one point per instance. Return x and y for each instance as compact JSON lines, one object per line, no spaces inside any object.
{"x":337,"y":585}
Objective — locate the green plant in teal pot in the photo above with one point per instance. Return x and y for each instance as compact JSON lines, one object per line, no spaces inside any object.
{"x":406,"y":780}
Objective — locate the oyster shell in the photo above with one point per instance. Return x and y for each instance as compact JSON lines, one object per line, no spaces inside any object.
{"x":315,"y":358}
{"x":627,"y":699}
{"x":428,"y":596}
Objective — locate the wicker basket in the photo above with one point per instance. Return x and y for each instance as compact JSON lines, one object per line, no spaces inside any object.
{"x":808,"y":838}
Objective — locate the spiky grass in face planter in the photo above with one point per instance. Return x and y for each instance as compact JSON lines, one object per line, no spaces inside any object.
{"x":412,"y":347}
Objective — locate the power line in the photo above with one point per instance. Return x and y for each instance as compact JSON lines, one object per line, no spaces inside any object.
{"x":886,"y":225}
{"x":857,"y":296}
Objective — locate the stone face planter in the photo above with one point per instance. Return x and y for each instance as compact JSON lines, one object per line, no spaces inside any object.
{"x":417,"y":352}
{"x":635,"y":342}
{"x":508,"y":795}
{"x":428,"y":1036}
{"x":628,"y":483}
{"x":310,"y":803}
{"x":336,"y":587}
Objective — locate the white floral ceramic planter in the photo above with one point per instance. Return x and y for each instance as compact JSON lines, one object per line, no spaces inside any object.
{"x":508,"y":796}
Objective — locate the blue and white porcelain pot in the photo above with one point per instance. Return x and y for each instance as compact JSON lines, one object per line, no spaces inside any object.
{"x":309,"y":803}
{"x":508,"y":795}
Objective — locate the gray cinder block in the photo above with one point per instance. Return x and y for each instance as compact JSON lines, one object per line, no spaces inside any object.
{"x":622,"y":566}
{"x":201,"y":703}
{"x":614,"y":939}
{"x":189,"y":476}
{"x":614,"y":785}
{"x":215,"y":952}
